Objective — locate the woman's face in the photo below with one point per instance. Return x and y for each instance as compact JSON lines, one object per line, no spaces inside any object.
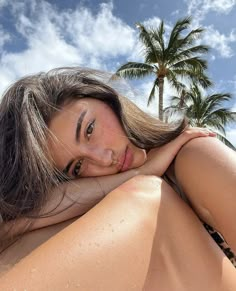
{"x":87,"y":140}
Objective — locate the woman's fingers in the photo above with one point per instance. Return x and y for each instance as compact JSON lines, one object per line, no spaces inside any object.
{"x":192,"y":132}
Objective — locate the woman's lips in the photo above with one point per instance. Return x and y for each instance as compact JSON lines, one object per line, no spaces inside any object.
{"x":128,"y":159}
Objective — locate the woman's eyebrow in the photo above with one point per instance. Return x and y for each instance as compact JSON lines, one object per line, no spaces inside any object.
{"x":79,"y":124}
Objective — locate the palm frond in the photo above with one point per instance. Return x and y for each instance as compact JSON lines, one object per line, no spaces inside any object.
{"x":133,"y":70}
{"x":145,"y":36}
{"x":158,"y":35}
{"x":212,"y":104}
{"x":151,"y":58}
{"x":216,"y":100}
{"x":171,"y":111}
{"x":223,"y":115}
{"x":175,"y":35}
{"x":202,"y":79}
{"x":175,"y":101}
{"x":225,"y":141}
{"x":214,"y":123}
{"x":194,"y":63}
{"x":196,"y":77}
{"x":188,"y":53}
{"x":152,"y":93}
{"x":171,"y":77}
{"x":206,"y":111}
{"x":190,"y":38}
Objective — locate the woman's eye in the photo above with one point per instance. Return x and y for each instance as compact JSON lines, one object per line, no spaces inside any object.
{"x":90,"y":128}
{"x":76,"y":170}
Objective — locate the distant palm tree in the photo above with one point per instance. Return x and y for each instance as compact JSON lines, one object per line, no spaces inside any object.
{"x":204,"y":111}
{"x":172,"y":59}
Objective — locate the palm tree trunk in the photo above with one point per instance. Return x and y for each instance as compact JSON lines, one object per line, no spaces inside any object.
{"x":161,"y":90}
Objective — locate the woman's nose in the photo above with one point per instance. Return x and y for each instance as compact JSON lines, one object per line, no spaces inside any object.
{"x":98,"y":156}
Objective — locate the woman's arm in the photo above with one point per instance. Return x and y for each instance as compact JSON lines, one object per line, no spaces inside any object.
{"x":69,"y":200}
{"x":86,"y":192}
{"x":206,"y":171}
{"x":159,"y":159}
{"x":142,"y":236}
{"x":107,"y":249}
{"x":76,"y":197}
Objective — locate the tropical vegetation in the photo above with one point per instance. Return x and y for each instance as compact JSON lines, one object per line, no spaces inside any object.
{"x":204,"y":110}
{"x":175,"y":58}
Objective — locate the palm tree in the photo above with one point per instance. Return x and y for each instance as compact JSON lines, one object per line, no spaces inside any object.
{"x":204,"y":111}
{"x":177,"y":59}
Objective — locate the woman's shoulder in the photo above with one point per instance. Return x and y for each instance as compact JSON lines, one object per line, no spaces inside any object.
{"x":201,"y":145}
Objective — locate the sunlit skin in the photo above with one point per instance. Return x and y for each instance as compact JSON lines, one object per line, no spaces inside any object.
{"x":98,"y":147}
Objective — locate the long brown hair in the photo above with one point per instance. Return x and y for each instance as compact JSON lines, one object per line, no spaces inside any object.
{"x":26,"y":170}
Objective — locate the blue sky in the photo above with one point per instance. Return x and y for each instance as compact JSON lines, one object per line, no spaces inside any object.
{"x":39,"y":35}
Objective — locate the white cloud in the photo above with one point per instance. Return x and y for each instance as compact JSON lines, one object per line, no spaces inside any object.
{"x":155,"y":22}
{"x":100,"y":35}
{"x":220,"y":42}
{"x":137,"y":54}
{"x":175,"y":13}
{"x":4,"y":37}
{"x":220,"y":6}
{"x":62,"y":38}
{"x":226,"y":86}
{"x":212,"y":57}
{"x":199,"y":8}
{"x":3,"y":3}
{"x":141,"y":93}
{"x":152,"y":22}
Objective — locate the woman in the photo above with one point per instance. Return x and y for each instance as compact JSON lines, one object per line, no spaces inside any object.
{"x":54,"y":146}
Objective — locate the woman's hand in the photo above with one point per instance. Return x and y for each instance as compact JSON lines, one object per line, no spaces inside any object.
{"x":159,"y":159}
